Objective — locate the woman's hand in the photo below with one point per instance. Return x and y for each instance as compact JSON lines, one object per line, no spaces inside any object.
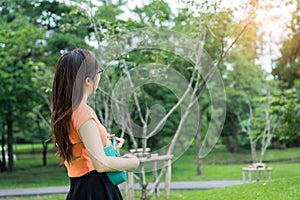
{"x":134,"y":161}
{"x":120,"y":141}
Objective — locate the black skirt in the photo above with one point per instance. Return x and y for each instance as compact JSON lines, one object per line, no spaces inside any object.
{"x":93,"y":186}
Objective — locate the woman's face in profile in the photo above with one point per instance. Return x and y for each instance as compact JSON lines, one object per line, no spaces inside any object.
{"x":99,"y":71}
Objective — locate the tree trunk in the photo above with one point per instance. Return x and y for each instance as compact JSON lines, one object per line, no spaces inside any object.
{"x":198,"y":148}
{"x":234,"y":132}
{"x":9,"y":123}
{"x":228,"y":144}
{"x":45,"y":147}
{"x":44,"y":143}
{"x":3,"y":163}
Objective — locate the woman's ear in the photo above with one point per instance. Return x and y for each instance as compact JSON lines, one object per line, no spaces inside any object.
{"x":88,"y":81}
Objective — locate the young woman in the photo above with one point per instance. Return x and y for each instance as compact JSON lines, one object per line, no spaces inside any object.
{"x":77,"y":132}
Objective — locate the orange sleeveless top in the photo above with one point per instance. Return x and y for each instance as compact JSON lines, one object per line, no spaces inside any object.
{"x":81,"y":163}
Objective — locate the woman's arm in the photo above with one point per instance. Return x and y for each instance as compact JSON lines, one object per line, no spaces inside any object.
{"x":90,"y":137}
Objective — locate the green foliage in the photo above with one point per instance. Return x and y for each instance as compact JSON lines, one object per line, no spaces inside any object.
{"x":287,"y":105}
{"x":287,"y":66}
{"x":244,"y":81}
{"x":31,"y":41}
{"x":108,"y":12}
{"x":34,"y":34}
{"x":155,"y":13}
{"x":18,"y":67}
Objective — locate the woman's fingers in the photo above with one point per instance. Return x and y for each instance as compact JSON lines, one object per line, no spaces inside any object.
{"x":120,"y":141}
{"x":111,"y":136}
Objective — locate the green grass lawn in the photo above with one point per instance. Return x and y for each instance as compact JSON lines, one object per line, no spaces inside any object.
{"x":218,"y":165}
{"x":277,"y":189}
{"x":222,"y":165}
{"x":50,"y":197}
{"x":29,"y":148}
{"x":219,"y":155}
{"x":29,"y":171}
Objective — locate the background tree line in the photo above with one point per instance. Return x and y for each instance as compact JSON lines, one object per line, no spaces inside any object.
{"x":35,"y":33}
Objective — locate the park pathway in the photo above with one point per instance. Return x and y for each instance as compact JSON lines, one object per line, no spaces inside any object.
{"x":185,"y":185}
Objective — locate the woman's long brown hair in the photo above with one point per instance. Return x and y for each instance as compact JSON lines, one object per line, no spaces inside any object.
{"x":67,"y":92}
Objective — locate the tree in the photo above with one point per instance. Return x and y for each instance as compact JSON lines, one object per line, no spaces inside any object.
{"x":287,"y":65}
{"x":287,"y":71}
{"x":261,"y":125}
{"x":189,"y":97}
{"x":33,"y":36}
{"x":18,"y":39}
{"x":244,"y":80}
{"x":287,"y":104}
{"x":66,"y":28}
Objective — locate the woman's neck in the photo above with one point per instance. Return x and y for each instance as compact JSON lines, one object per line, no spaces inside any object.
{"x":85,"y":97}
